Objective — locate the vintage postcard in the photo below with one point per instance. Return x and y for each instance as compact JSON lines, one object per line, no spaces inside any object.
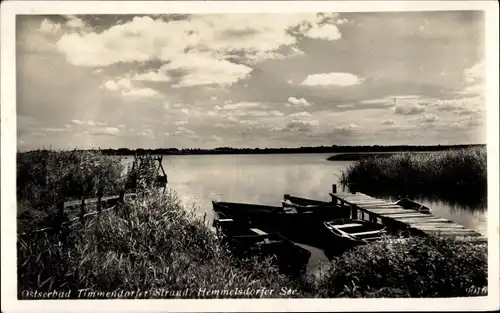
{"x":249,"y":156}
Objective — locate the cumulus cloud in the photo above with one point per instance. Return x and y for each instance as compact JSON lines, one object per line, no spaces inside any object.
{"x":205,"y":70}
{"x":203,"y":47}
{"x":409,"y":108}
{"x":115,"y":85}
{"x":296,"y":102}
{"x":341,"y":21}
{"x":390,"y":100}
{"x":222,"y":125}
{"x":326,"y":32}
{"x":472,"y":90}
{"x":346,"y":129}
{"x":53,"y":129}
{"x":154,"y":76}
{"x":84,"y":122}
{"x":49,"y":27}
{"x":102,"y":131}
{"x":302,"y":114}
{"x":475,"y":121}
{"x":128,"y":90}
{"x":74,"y":22}
{"x":474,"y":80}
{"x":239,"y":105}
{"x":475,"y":73}
{"x":332,"y":79}
{"x":140,"y":92}
{"x":183,"y":131}
{"x":343,"y":106}
{"x":428,"y":118}
{"x":302,"y":126}
{"x":148,"y":133}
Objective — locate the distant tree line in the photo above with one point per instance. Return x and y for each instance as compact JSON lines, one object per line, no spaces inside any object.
{"x":318,"y":149}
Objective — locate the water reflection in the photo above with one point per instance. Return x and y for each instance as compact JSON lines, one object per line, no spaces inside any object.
{"x":264,"y":179}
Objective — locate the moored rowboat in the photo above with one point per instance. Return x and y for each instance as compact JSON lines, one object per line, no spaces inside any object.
{"x":412,"y":205}
{"x":244,"y":242}
{"x":347,"y":232}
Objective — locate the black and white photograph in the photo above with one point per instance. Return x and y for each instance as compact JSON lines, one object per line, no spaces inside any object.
{"x":229,"y":151}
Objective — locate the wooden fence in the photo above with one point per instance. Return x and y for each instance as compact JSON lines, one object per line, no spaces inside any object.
{"x":72,"y":212}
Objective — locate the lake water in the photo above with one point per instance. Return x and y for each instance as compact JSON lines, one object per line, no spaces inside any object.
{"x":264,"y":179}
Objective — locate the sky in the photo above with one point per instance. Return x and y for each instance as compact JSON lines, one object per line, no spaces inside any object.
{"x":262,"y":80}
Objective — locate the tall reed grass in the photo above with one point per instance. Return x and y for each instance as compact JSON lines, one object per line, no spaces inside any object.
{"x":448,"y":173}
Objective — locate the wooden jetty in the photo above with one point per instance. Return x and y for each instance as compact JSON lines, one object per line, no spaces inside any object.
{"x":396,"y":216}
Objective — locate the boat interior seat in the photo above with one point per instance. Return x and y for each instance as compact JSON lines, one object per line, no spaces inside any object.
{"x":366,"y":233}
{"x":258,"y":231}
{"x":349,"y":225}
{"x":225,"y":220}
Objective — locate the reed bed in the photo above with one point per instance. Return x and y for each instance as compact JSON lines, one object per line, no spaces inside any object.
{"x":448,"y":173}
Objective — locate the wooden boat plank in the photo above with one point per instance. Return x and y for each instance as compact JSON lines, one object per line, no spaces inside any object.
{"x":366,"y":232}
{"x":409,"y":215}
{"x":347,"y":197}
{"x":437,"y":225}
{"x":364,"y":201}
{"x":384,"y":212}
{"x":452,"y":230}
{"x":368,"y":204}
{"x":225,"y":220}
{"x":416,"y":220}
{"x":104,"y":199}
{"x":258,"y":231}
{"x":387,"y":204}
{"x":352,"y":197}
{"x":369,"y":207}
{"x":349,"y":225}
{"x":381,"y":205}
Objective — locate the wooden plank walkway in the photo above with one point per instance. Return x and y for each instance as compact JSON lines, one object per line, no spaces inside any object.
{"x":105,"y":200}
{"x":406,"y":218}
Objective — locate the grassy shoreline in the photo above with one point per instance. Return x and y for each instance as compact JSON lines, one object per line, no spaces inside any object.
{"x":153,"y":243}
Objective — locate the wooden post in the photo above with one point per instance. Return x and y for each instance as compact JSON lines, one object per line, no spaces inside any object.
{"x":362,"y":215}
{"x":60,"y":208}
{"x":354,"y":212}
{"x":82,"y":209}
{"x":334,"y":188}
{"x":60,"y":227}
{"x":99,"y":200}
{"x":121,"y":198}
{"x":60,"y":216}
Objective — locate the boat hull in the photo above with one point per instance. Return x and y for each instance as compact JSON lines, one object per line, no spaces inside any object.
{"x":245,"y":242}
{"x":344,"y":234}
{"x":302,"y":227}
